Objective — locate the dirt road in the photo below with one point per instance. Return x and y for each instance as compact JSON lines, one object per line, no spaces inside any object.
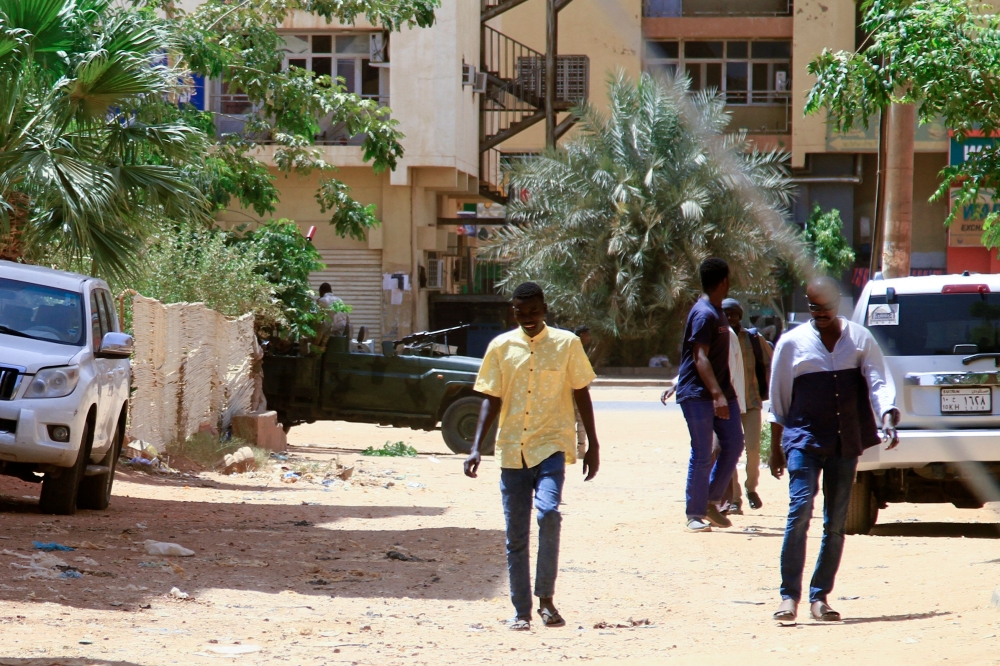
{"x":299,"y":573}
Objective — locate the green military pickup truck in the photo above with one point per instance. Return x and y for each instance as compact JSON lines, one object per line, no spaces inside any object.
{"x":414,"y":383}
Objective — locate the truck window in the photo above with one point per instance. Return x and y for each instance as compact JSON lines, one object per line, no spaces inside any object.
{"x":933,"y":324}
{"x":104,"y":319}
{"x":108,"y":311}
{"x":95,"y":320}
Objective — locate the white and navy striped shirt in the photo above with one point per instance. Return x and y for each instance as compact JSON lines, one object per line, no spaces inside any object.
{"x":828,"y":401}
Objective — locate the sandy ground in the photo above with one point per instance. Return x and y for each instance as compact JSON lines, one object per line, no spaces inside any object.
{"x":298,"y":573}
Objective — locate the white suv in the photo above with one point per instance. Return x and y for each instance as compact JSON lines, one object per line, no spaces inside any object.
{"x":941,"y":338}
{"x":64,"y":385}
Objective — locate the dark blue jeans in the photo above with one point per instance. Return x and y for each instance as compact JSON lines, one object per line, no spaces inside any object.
{"x":545,"y":482}
{"x":705,"y":482}
{"x":803,"y":484}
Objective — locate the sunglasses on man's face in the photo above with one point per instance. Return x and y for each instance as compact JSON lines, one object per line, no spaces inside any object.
{"x":820,"y":307}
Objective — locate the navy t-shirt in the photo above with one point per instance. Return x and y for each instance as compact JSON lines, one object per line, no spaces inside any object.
{"x":706,"y":325}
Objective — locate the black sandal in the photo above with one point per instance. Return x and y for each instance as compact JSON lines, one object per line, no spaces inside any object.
{"x":551,"y":617}
{"x":822,"y":612}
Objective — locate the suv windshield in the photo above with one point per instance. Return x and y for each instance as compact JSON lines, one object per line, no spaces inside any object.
{"x":43,"y":313}
{"x":932,"y":324}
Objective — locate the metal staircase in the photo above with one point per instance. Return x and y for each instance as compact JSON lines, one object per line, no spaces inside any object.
{"x":518,"y":92}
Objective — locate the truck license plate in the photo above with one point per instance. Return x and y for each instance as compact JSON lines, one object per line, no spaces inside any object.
{"x":966,"y":400}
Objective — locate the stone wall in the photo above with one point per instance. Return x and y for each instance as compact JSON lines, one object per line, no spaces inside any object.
{"x":193,"y":368}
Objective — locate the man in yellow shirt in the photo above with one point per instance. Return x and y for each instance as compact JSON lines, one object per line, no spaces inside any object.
{"x":531,"y":377}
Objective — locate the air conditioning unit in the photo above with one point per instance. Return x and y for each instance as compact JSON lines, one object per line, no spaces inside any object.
{"x":377,"y":43}
{"x":468,"y":75}
{"x":480,"y":85}
{"x":781,"y":81}
{"x":435,"y":274}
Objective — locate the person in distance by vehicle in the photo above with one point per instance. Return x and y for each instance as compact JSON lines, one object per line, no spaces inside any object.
{"x":828,"y":382}
{"x":531,"y":377}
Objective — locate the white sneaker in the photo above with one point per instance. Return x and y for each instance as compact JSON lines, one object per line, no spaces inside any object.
{"x":698,"y":525}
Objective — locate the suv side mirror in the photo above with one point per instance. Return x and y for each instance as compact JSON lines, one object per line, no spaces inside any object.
{"x":115,"y":345}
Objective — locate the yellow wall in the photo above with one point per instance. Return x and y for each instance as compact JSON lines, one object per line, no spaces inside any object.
{"x":819,"y":24}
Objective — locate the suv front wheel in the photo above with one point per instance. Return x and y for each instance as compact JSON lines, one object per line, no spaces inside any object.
{"x":95,"y":491}
{"x":59,"y":489}
{"x":862,"y":511}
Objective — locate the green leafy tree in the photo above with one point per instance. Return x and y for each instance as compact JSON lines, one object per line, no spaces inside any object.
{"x":264,"y":272}
{"x":191,"y":264}
{"x":86,"y":168}
{"x":824,"y":236}
{"x":615,"y":224}
{"x":239,"y":44}
{"x":96,"y":154}
{"x":285,"y":258}
{"x":942,"y":56}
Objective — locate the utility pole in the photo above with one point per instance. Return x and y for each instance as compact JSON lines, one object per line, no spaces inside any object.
{"x":551,"y":43}
{"x":898,"y":206}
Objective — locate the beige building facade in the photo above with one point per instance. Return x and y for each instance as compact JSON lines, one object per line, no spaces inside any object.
{"x":466,"y":93}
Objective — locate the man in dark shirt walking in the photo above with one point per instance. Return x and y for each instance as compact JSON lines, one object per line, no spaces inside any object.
{"x":828,"y":382}
{"x":707,"y":398}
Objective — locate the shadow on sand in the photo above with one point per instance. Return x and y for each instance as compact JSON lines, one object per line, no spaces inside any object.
{"x":259,"y":546}
{"x":943,"y":530}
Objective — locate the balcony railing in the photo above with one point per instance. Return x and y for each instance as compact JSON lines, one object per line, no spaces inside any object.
{"x":694,"y":8}
{"x":515,"y":86}
{"x":232,"y":111}
{"x":760,"y":112}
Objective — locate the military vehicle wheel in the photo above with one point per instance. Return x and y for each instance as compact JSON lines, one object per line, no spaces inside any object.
{"x":458,"y":426}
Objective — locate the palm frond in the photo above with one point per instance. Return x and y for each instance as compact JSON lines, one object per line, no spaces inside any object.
{"x":617,"y":221}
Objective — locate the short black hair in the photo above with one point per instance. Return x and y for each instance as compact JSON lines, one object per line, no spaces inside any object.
{"x":580,"y":330}
{"x":526,"y":291}
{"x":713,"y":271}
{"x":325,"y":288}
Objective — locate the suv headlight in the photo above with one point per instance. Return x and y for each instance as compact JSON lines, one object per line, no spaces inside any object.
{"x":53,"y":382}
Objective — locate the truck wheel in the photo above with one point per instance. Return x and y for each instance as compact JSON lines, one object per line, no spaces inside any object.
{"x":95,"y":491}
{"x":59,"y":490}
{"x":862,"y":511}
{"x":458,"y":426}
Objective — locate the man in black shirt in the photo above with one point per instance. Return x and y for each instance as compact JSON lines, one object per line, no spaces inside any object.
{"x":707,"y":398}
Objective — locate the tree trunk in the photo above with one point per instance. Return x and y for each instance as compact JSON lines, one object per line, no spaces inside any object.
{"x":898,"y":191}
{"x":11,"y":241}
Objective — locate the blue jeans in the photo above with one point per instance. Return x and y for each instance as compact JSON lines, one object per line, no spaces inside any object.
{"x":545,"y":482}
{"x":705,"y":482}
{"x":803,"y":484}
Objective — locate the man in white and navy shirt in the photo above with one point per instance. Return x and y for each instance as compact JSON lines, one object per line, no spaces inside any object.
{"x":828,"y":384}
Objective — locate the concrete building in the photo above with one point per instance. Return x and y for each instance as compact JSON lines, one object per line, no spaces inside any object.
{"x":467,"y":95}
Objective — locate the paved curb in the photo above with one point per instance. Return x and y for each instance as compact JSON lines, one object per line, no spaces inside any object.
{"x":636,"y":382}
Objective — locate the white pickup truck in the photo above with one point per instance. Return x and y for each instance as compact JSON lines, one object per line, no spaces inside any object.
{"x":64,"y":385}
{"x":941,"y":338}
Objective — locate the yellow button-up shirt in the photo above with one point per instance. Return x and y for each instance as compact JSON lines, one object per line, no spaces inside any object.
{"x":535,"y":378}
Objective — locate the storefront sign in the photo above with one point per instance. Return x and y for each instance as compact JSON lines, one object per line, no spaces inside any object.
{"x":930,"y":137}
{"x":967,"y":229}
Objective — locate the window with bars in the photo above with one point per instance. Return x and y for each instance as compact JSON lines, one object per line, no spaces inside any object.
{"x":572,"y":77}
{"x":345,"y":56}
{"x":746,"y":72}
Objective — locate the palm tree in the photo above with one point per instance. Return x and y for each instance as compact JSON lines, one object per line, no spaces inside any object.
{"x":615,"y":224}
{"x":89,"y":158}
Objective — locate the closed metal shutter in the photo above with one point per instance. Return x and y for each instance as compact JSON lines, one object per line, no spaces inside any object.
{"x":356,"y":278}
